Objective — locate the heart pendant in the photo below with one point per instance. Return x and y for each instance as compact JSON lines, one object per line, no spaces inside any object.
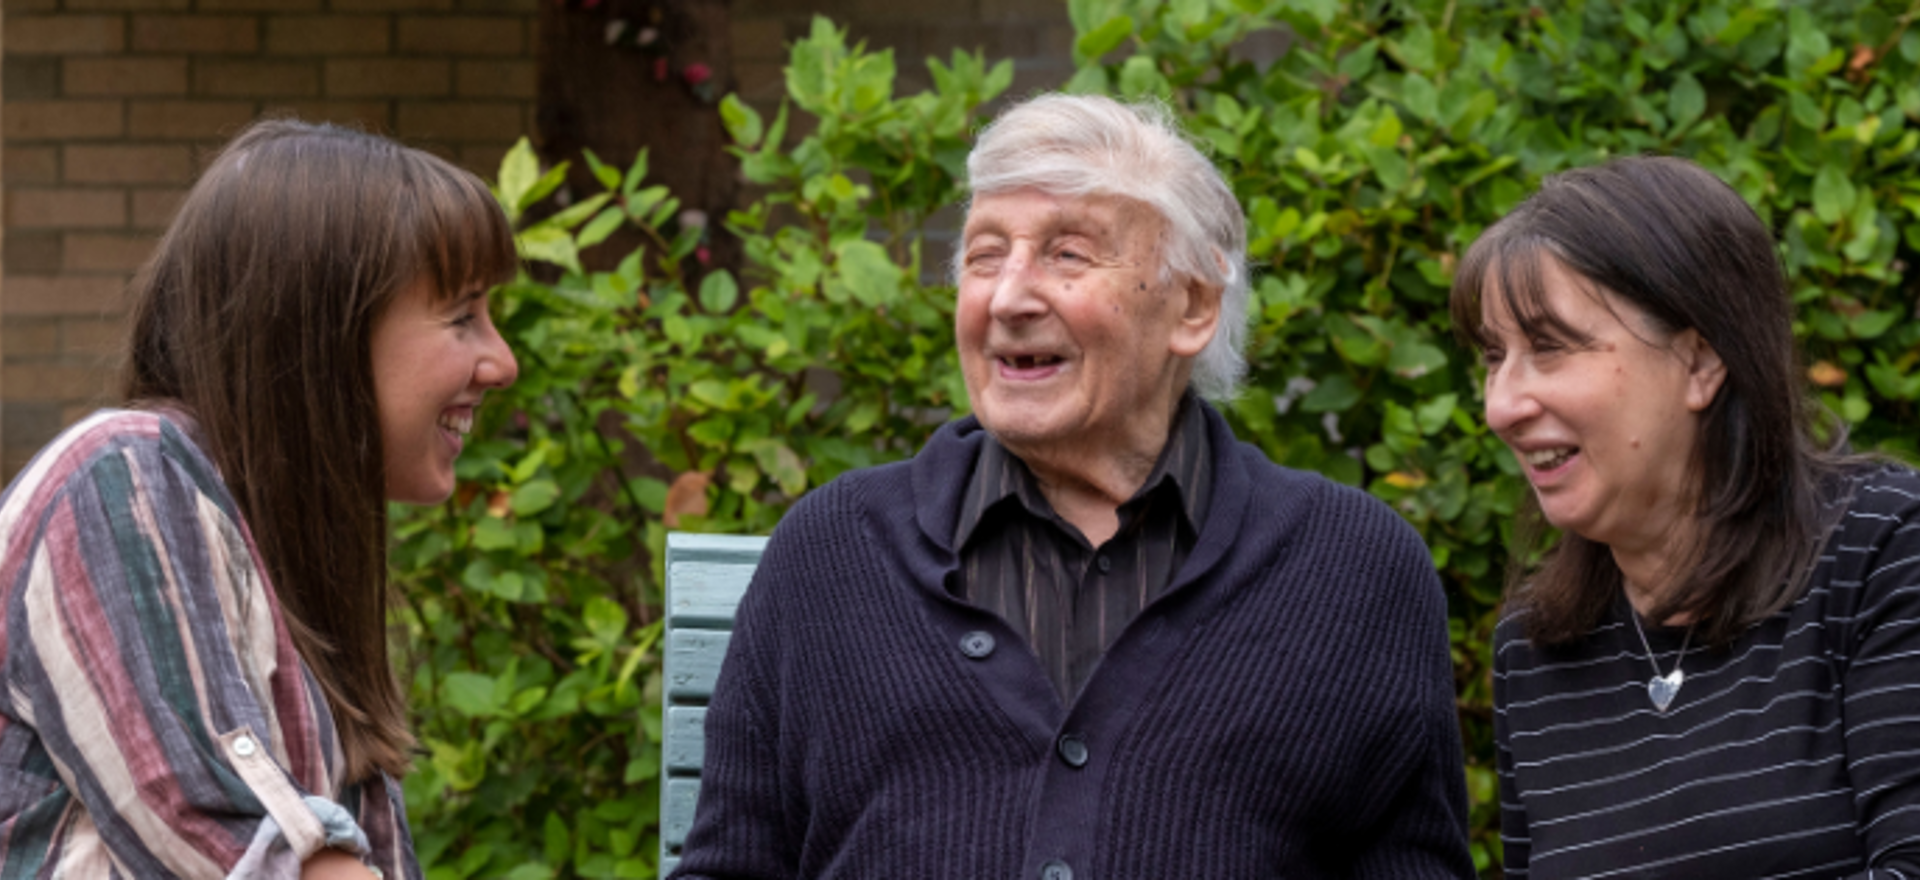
{"x":1662,"y":690}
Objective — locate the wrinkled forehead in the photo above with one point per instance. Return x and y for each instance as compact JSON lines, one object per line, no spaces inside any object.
{"x":1032,"y":211}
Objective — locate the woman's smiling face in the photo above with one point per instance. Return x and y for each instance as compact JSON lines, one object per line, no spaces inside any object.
{"x":434,"y":358}
{"x":1604,"y":423}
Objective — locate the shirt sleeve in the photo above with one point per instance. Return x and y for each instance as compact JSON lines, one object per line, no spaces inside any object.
{"x":1881,"y":685}
{"x":142,"y":647}
{"x":1514,"y":838}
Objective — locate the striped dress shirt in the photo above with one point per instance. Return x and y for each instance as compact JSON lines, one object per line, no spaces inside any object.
{"x":156,"y":720}
{"x":1068,"y":599}
{"x":1792,"y":752}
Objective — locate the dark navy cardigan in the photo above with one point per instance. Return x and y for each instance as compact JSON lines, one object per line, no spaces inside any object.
{"x":1286,"y":709}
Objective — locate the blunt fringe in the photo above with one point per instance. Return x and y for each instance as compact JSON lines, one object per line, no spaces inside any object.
{"x":1079,"y":145}
{"x":1667,"y":236}
{"x":254,"y":317}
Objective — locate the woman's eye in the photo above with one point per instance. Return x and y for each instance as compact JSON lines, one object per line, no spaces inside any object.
{"x":1492,"y":357}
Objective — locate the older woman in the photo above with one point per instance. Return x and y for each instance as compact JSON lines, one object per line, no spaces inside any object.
{"x":1716,"y":672}
{"x":193,"y":636}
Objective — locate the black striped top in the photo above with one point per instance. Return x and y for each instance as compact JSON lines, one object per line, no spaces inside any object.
{"x":1794,"y":752}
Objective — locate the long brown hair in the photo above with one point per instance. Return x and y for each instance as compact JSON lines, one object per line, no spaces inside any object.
{"x":1667,"y":236}
{"x":254,"y":317}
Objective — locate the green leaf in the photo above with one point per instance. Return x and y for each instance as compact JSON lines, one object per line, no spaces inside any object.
{"x":1335,"y":393}
{"x":470,"y":694}
{"x":605,"y":619}
{"x":601,"y":227}
{"x":1686,"y":101}
{"x":742,"y":121}
{"x":718,"y":292}
{"x":1107,"y":37}
{"x":1833,"y":194}
{"x":518,"y":171}
{"x":494,"y":533}
{"x":533,"y":497}
{"x":608,"y":176}
{"x":867,"y":272}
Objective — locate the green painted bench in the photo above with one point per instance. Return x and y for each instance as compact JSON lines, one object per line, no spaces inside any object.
{"x":706,"y":575}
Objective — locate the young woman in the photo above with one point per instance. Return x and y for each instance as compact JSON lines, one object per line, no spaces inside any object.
{"x":193,"y":636}
{"x":1714,"y":672}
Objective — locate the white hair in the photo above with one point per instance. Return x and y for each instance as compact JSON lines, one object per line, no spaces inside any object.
{"x":1080,"y":145}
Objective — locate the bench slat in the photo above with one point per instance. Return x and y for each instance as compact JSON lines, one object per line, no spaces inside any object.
{"x":693,"y":662}
{"x":678,"y":796}
{"x":706,"y":576}
{"x":686,"y":746}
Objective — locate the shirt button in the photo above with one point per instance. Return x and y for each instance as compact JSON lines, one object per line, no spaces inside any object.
{"x":977,"y":644}
{"x":1056,"y":870}
{"x":1105,"y":564}
{"x":243,"y":747}
{"x":1073,"y":750}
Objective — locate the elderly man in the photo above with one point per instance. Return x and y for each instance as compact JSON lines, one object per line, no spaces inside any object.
{"x":1085,"y":632}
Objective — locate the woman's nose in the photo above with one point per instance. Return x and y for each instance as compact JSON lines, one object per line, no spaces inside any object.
{"x":1509,"y":398}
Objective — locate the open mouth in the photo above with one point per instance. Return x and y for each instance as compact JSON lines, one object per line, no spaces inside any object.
{"x":1550,"y":459}
{"x":458,"y":422}
{"x":1030,"y":361}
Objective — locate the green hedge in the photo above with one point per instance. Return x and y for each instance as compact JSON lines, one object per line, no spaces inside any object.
{"x":1368,"y":156}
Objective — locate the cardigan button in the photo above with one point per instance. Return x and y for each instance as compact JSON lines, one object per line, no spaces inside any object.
{"x":977,"y":644}
{"x":1056,"y":870}
{"x":1105,"y":563}
{"x":1073,"y":750}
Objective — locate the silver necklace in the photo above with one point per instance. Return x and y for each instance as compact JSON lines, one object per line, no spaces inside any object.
{"x":1661,"y":689}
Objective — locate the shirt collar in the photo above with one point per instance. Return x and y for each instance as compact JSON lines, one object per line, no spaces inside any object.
{"x":1185,"y":464}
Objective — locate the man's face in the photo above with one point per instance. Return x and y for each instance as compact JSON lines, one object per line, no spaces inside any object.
{"x":1068,"y":334}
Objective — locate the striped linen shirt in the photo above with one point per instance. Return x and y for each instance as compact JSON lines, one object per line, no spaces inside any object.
{"x":1793,"y":752}
{"x":1066,"y":598}
{"x":156,"y":720}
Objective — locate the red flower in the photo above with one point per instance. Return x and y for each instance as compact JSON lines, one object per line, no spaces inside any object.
{"x":659,"y":70}
{"x":696,"y":74}
{"x":703,"y":255}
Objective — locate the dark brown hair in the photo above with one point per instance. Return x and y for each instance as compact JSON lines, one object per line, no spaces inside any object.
{"x":1670,"y":238}
{"x":254,"y":317}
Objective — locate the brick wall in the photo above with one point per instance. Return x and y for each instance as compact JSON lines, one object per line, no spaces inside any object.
{"x":111,"y":107}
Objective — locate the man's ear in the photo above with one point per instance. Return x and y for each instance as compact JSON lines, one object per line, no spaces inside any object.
{"x":1706,"y":372}
{"x":1199,"y":315}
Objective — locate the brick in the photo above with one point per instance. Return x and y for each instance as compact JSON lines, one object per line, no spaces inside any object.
{"x":65,"y":208}
{"x":28,"y":425}
{"x":154,"y":208}
{"x":187,"y":120}
{"x":93,"y":337}
{"x":525,"y":6}
{"x":62,"y":295}
{"x":388,"y":78}
{"x":329,"y":34}
{"x":125,"y":76}
{"x":258,"y":5}
{"x":463,"y":35}
{"x":98,"y":252}
{"x":136,"y":5}
{"x":29,"y":338}
{"x":172,"y":163}
{"x":28,"y":77}
{"x":496,"y":79}
{"x":33,"y":253}
{"x":58,"y":381}
{"x":374,"y":116}
{"x":482,"y":159}
{"x":266,"y":79}
{"x":196,"y":33}
{"x":65,"y":35}
{"x":63,"y":120}
{"x":758,"y":40}
{"x":20,"y":7}
{"x":392,"y":5}
{"x":760,"y":81}
{"x":1022,"y":11}
{"x":460,"y":122}
{"x":31,"y":165}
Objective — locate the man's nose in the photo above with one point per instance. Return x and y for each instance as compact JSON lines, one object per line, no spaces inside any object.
{"x":1018,"y":292}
